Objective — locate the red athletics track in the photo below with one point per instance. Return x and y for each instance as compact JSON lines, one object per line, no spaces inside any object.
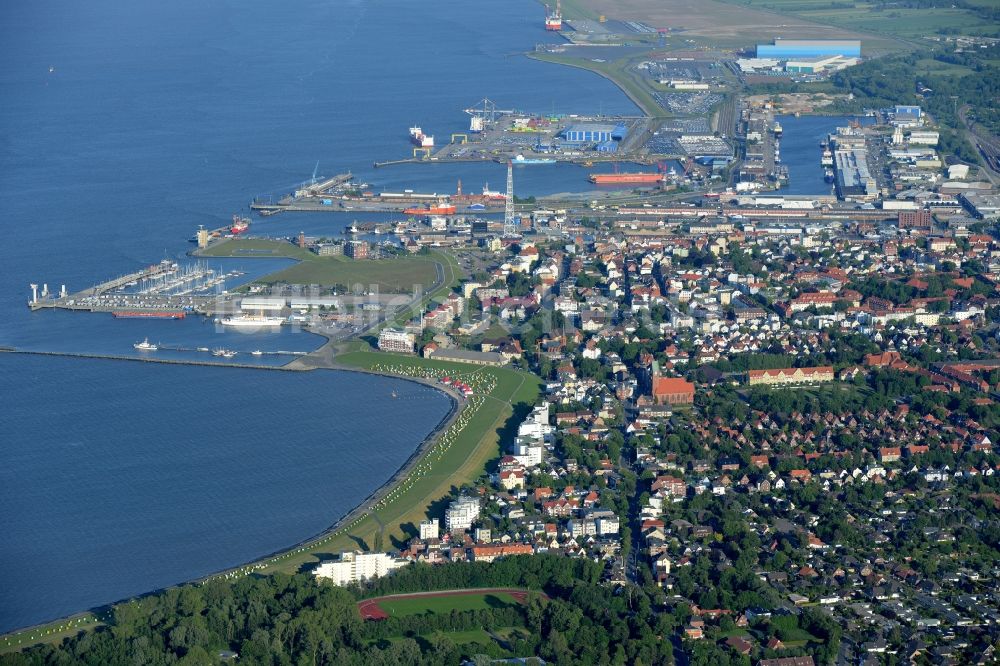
{"x":370,"y":609}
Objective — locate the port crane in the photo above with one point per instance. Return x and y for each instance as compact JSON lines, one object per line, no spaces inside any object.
{"x":484,"y":113}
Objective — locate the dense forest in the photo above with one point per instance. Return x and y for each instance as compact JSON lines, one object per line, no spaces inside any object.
{"x":285,"y":619}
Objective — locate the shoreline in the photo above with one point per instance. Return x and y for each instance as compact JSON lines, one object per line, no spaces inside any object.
{"x":91,"y":618}
{"x":638,"y":103}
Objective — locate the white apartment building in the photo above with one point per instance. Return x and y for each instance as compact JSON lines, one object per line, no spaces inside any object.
{"x":532,"y":434}
{"x":353,"y":567}
{"x":394,"y":340}
{"x":461,"y":513}
{"x":429,"y":529}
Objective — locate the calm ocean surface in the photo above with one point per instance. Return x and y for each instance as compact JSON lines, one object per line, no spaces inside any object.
{"x":118,"y":478}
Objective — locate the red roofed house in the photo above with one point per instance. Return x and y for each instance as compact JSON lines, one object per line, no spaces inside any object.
{"x":889,"y":454}
{"x":819,"y":299}
{"x":670,"y":485}
{"x":492,"y":552}
{"x":672,"y":391}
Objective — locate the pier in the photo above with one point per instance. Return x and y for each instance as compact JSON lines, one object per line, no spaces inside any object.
{"x":163,"y":287}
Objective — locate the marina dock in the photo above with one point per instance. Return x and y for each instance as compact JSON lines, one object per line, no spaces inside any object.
{"x":163,"y":287}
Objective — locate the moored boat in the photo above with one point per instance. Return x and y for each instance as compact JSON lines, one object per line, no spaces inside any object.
{"x":240,"y":224}
{"x":440,"y":209}
{"x":147,"y":314}
{"x":626,"y":178}
{"x":251,"y":321}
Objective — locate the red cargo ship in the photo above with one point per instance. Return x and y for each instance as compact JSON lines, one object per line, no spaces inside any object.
{"x":240,"y":224}
{"x":441,"y":209}
{"x":553,"y":21}
{"x":626,"y":178}
{"x":144,"y":314}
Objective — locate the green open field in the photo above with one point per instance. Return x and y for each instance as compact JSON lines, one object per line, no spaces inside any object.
{"x":254,"y":247}
{"x":396,"y":275}
{"x":930,"y":66}
{"x":461,"y":602}
{"x":895,"y":21}
{"x":722,"y":23}
{"x":500,"y":392}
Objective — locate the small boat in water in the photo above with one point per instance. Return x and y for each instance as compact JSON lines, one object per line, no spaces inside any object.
{"x":145,"y":345}
{"x":224,"y":353}
{"x":257,"y":352}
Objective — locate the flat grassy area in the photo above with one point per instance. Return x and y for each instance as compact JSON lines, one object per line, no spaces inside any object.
{"x":713,"y":19}
{"x":451,"y":273}
{"x":254,"y":247}
{"x":458,"y":602}
{"x":927,"y":66}
{"x":396,"y":275}
{"x":459,"y":455}
{"x":53,"y":632}
{"x":896,"y":21}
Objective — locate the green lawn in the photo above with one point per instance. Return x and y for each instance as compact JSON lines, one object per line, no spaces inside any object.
{"x":396,"y":275}
{"x":458,"y":602}
{"x":896,"y":21}
{"x":927,"y":66}
{"x":259,"y":247}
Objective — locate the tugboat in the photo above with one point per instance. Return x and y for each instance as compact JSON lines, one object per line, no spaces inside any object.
{"x":828,"y":175}
{"x":145,"y":345}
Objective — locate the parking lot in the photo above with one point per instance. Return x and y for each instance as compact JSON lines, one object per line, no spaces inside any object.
{"x":695,"y":103}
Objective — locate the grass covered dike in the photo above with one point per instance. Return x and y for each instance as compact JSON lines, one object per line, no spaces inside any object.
{"x":457,"y":455}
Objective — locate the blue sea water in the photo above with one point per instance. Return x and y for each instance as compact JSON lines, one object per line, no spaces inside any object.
{"x":118,"y":479}
{"x":125,"y":126}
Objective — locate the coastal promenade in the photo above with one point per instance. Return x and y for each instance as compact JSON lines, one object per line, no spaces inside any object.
{"x":454,"y":453}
